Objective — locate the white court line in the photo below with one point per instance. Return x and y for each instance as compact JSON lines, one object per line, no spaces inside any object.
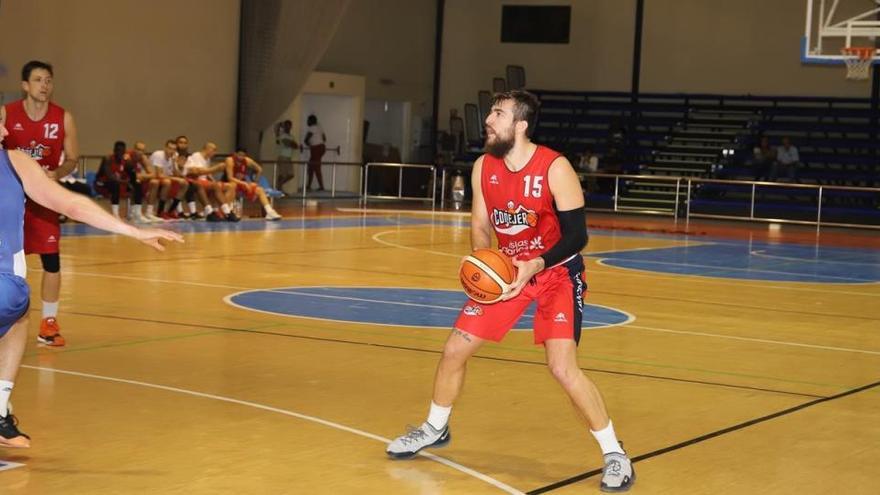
{"x":405,"y":212}
{"x":763,"y":254}
{"x":639,"y":272}
{"x":6,"y":465}
{"x":228,"y":300}
{"x":442,"y":460}
{"x":753,"y":339}
{"x":701,"y":334}
{"x":635,"y":272}
{"x":376,"y":237}
{"x":853,"y":281}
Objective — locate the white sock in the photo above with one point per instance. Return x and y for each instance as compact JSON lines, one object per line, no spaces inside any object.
{"x":208,"y":210}
{"x":225,"y":209}
{"x":137,"y":211}
{"x":5,"y":392}
{"x":607,"y":439}
{"x":115,"y":210}
{"x":438,"y":416}
{"x":270,"y":210}
{"x":149,"y":210}
{"x":192,"y":207}
{"x":179,"y":207}
{"x":50,"y":309}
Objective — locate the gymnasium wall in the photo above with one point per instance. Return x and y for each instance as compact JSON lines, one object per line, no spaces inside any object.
{"x":391,"y":44}
{"x":733,"y":47}
{"x":131,"y":70}
{"x":746,"y":46}
{"x":598,"y":56}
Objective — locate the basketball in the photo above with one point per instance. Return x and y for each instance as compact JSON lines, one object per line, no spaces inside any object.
{"x":486,"y":274}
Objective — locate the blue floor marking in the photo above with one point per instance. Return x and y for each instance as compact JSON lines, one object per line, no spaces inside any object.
{"x":75,"y":229}
{"x":390,"y":306}
{"x":755,"y":261}
{"x":713,"y":257}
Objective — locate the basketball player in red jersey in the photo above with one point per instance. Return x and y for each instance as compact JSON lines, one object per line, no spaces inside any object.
{"x":544,"y":236}
{"x":47,"y":133}
{"x":238,"y":167}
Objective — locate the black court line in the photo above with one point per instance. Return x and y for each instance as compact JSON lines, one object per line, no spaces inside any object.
{"x":437,"y":352}
{"x":703,"y":438}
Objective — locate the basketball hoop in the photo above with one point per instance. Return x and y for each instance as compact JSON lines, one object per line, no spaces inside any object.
{"x":858,"y":61}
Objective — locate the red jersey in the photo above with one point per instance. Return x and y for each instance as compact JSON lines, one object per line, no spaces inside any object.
{"x":239,"y":168}
{"x":520,"y":205}
{"x":42,"y":139}
{"x":117,"y":169}
{"x":137,"y":163}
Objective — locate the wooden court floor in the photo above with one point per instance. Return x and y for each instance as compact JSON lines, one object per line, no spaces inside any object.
{"x":728,"y":376}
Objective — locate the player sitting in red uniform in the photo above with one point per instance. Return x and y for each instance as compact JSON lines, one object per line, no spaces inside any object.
{"x":238,"y":167}
{"x":116,"y":176}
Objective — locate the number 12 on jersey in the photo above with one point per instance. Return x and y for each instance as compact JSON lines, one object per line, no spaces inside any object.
{"x":50,"y":131}
{"x":532,"y":186}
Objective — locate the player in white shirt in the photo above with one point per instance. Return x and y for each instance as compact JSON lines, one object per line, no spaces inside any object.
{"x":173,"y":184}
{"x":198,"y":170}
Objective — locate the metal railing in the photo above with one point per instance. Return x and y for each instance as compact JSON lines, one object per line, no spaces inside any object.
{"x":400,"y":168}
{"x":755,"y":192}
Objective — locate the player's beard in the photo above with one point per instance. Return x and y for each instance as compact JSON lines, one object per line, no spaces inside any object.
{"x":500,"y":145}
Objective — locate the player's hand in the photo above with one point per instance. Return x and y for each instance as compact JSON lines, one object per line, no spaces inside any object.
{"x":525,"y":271}
{"x":152,"y":237}
{"x":51,"y":174}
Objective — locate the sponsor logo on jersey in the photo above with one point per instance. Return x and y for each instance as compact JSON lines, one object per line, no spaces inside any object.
{"x":516,"y":247}
{"x":473,"y":310}
{"x":493,"y":180}
{"x":560,"y":318}
{"x":513,"y":220}
{"x":36,"y":151}
{"x":536,"y":243}
{"x":17,"y":127}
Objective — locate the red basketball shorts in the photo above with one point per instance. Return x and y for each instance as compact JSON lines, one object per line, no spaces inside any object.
{"x":42,"y":231}
{"x":559,"y":293}
{"x":248,"y":190}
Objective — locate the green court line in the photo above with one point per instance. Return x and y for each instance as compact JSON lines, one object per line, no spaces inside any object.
{"x":127,"y":343}
{"x":530,"y":350}
{"x":141,"y":341}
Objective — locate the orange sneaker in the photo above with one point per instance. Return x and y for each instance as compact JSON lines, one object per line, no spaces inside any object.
{"x":50,"y":333}
{"x":10,"y":436}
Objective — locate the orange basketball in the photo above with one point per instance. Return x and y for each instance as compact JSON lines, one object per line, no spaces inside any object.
{"x":486,"y":274}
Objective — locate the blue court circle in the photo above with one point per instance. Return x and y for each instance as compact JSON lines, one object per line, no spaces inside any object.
{"x":390,"y":306}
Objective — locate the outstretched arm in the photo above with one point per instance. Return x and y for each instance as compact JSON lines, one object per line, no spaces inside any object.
{"x":50,"y":194}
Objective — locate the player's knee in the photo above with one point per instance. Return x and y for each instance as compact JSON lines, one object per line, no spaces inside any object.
{"x":454,"y":353}
{"x":51,"y":262}
{"x":563,"y":373}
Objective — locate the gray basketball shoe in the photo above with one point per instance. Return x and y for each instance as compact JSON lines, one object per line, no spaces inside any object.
{"x":416,"y":439}
{"x":618,"y":474}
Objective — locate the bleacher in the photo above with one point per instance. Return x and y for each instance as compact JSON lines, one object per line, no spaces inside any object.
{"x":711,"y":136}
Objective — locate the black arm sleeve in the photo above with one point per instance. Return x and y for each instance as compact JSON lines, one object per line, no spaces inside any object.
{"x":573,"y":224}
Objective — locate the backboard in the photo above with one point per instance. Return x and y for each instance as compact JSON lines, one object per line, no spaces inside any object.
{"x":832,"y":25}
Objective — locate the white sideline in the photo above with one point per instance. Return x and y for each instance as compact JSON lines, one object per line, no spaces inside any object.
{"x":442,"y":460}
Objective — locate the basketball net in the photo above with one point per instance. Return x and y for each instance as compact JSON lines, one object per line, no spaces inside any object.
{"x":858,"y":61}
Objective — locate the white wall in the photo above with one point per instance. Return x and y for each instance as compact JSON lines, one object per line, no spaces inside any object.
{"x":328,"y":85}
{"x":131,"y":70}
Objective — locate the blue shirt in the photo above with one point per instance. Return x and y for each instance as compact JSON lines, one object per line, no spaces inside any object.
{"x":12,"y":200}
